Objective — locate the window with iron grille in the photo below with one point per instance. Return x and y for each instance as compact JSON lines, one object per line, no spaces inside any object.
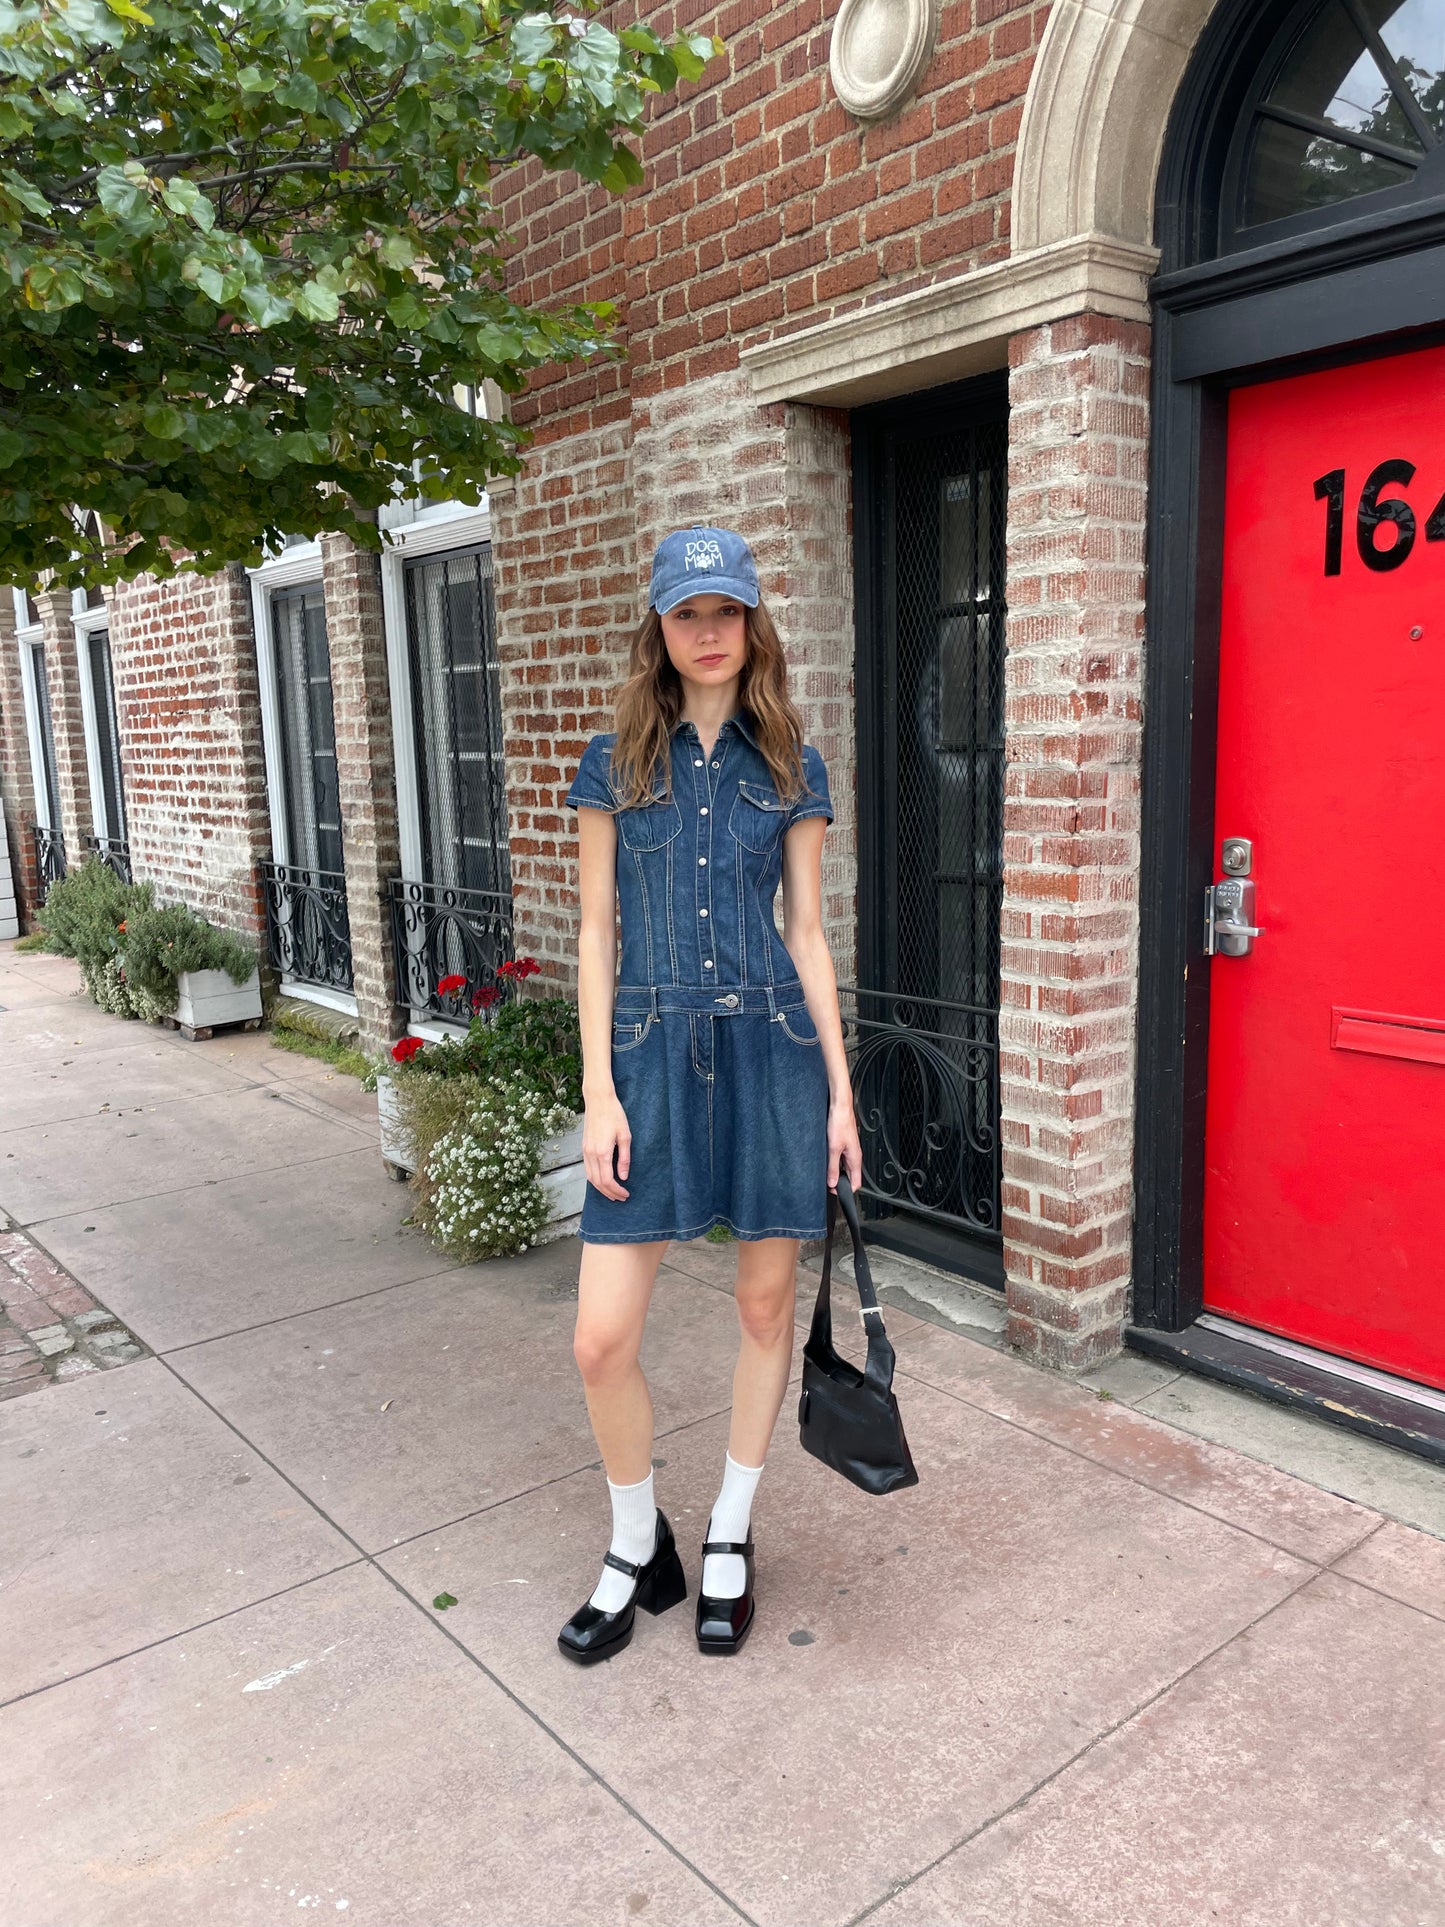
{"x":457,"y":710}
{"x":47,"y":784}
{"x":107,"y":734}
{"x":308,"y":729}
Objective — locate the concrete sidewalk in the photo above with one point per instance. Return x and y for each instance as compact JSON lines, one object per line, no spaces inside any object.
{"x":1091,"y":1670}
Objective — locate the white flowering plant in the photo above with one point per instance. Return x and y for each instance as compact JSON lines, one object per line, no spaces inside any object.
{"x":478,"y":1184}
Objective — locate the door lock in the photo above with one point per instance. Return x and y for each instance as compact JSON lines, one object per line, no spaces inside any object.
{"x":1229,"y":926}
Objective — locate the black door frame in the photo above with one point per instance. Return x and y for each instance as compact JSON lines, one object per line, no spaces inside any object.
{"x":1372,"y":283}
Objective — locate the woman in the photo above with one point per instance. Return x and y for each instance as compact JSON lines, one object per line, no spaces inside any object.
{"x":714,"y":1076}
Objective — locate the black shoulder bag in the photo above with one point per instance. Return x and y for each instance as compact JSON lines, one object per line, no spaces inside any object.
{"x":847,"y":1418}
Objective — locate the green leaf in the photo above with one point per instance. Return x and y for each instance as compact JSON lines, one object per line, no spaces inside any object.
{"x":316,"y":303}
{"x":442,"y":1601}
{"x":163,"y":420}
{"x":12,"y":447}
{"x":126,"y":10}
{"x":184,"y":197}
{"x":265,"y":307}
{"x":118,"y":193}
{"x":533,"y":39}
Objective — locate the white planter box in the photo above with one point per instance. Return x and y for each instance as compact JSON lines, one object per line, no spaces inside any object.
{"x":396,"y":1146}
{"x":562,"y":1174}
{"x":206,"y":998}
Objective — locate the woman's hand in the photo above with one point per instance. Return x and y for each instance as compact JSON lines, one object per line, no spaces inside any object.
{"x":605,"y":1128}
{"x":844,"y":1145}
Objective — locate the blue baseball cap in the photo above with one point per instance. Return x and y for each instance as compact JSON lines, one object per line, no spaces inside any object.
{"x":702,"y":562}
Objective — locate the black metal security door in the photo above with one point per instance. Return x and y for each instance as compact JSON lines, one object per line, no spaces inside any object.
{"x":107,"y":733}
{"x":307,"y":921}
{"x":457,"y":703}
{"x":308,"y":730}
{"x":931,"y":495}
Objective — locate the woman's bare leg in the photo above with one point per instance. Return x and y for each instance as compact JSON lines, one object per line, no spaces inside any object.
{"x":613,"y":1292}
{"x":766,"y":1289}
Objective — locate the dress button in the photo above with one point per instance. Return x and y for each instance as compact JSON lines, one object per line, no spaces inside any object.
{"x":702,"y":913}
{"x":717,"y":765}
{"x":703,"y":810}
{"x":702,"y":861}
{"x":697,"y":762}
{"x":707,"y":963}
{"x":731,"y":999}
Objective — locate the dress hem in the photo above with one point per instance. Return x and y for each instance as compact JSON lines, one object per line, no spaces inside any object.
{"x":684,"y":1236}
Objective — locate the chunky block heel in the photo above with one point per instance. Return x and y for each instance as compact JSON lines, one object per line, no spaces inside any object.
{"x":591,"y":1635}
{"x":723,"y":1624}
{"x":664,"y":1587}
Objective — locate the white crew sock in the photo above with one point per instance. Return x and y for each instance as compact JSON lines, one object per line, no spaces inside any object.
{"x":634,"y":1533}
{"x":725,"y":1574}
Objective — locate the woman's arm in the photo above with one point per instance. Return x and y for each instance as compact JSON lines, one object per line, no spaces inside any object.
{"x":805,"y":943}
{"x":604,"y":1124}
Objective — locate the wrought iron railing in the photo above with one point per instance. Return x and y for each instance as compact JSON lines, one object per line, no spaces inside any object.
{"x":926,"y":1094}
{"x":49,"y":857}
{"x":114,"y":853}
{"x":441,"y":932}
{"x":308,"y":930}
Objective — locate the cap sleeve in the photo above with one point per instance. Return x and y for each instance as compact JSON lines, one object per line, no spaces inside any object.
{"x":590,"y":787}
{"x":816,"y":800}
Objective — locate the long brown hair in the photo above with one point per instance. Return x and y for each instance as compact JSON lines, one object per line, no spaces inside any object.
{"x":650,"y":703}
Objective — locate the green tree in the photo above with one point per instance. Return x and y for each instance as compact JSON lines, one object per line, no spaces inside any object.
{"x":249,"y":250}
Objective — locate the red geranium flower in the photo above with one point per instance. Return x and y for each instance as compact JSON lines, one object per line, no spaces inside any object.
{"x":484,"y":998}
{"x":449,"y":986}
{"x":406,"y":1048}
{"x":520,"y":967}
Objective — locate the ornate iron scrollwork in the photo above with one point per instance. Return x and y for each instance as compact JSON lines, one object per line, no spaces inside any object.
{"x":308,"y":929}
{"x":50,"y":865}
{"x":114,"y":853}
{"x":926,"y":1093}
{"x":440,"y":931}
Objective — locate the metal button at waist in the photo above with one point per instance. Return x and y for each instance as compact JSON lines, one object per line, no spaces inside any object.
{"x":730,"y":1000}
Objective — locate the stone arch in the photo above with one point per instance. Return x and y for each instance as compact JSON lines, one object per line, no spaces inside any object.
{"x":1094,"y":118}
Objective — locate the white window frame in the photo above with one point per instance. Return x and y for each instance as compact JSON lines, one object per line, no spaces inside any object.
{"x":27,"y":633}
{"x":84,"y":621}
{"x":450,"y":525}
{"x":292,"y":568}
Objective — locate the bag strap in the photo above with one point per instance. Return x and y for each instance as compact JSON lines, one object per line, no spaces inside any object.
{"x":881,"y":1358}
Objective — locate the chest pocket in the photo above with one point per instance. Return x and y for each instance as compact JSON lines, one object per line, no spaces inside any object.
{"x":651,"y":826}
{"x":757,"y":818}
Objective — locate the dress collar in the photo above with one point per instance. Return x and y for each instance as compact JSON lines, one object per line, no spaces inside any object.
{"x":739,"y":718}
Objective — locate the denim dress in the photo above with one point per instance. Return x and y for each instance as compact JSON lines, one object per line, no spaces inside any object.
{"x":715,"y":1058}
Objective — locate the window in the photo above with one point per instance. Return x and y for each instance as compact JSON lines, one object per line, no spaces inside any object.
{"x":456,"y":702}
{"x":47,"y":788}
{"x":107,"y":736}
{"x":1351,"y":102}
{"x":311,"y":794}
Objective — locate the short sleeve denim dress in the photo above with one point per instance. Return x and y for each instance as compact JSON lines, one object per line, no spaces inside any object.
{"x":715,"y":1057}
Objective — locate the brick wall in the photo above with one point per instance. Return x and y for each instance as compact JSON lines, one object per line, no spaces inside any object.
{"x":17,"y":787}
{"x":766,"y":207}
{"x":564,"y":548}
{"x":1078,"y":435}
{"x":573,"y":543}
{"x":366,"y":775}
{"x":189,"y":712}
{"x":67,"y":719}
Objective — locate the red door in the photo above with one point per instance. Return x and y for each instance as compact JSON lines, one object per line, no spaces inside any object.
{"x":1324,"y":1214}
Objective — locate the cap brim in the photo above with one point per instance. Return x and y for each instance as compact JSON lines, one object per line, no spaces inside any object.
{"x":715,"y":585}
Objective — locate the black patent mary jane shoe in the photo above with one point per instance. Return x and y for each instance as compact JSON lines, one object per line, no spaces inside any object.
{"x":591,"y":1634}
{"x":723,"y":1624}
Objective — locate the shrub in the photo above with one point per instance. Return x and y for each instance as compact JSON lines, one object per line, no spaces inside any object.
{"x":111,"y":990}
{"x":87,"y":913}
{"x":162,"y":945}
